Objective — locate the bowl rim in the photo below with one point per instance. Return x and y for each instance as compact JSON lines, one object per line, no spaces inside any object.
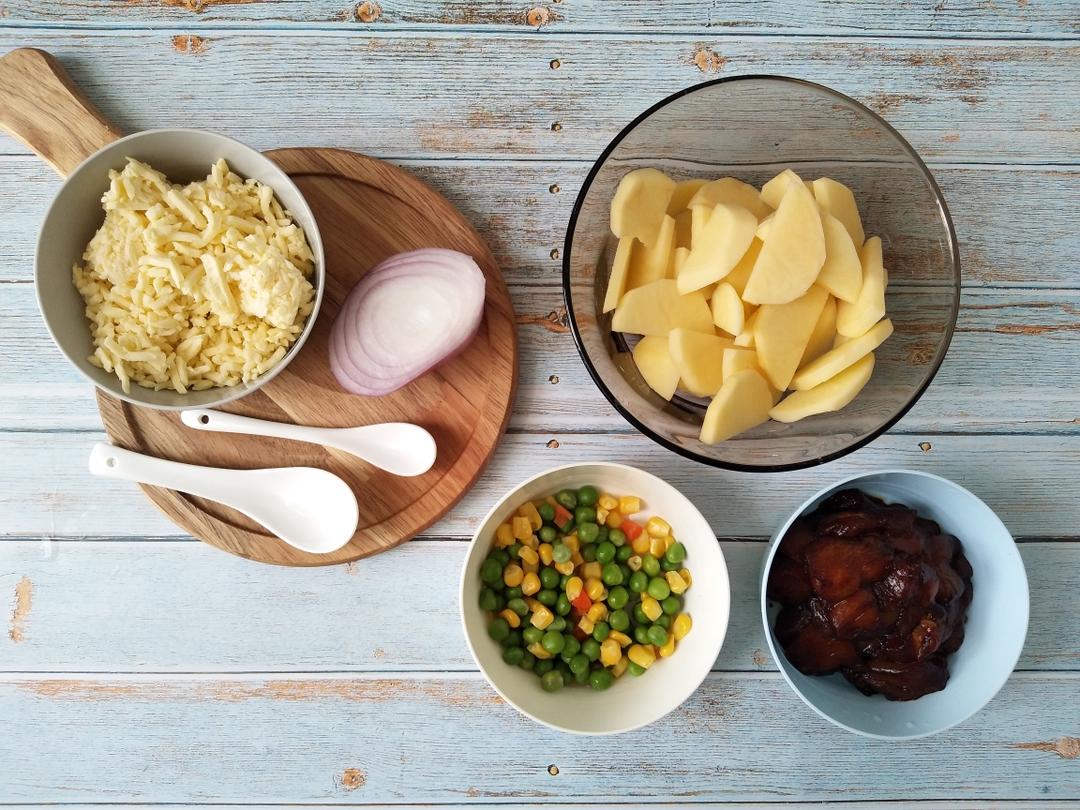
{"x":314,"y":238}
{"x":731,"y":465}
{"x":774,"y":545}
{"x":723,"y":573}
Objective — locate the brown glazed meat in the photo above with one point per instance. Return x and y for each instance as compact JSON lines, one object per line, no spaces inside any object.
{"x":873,"y":591}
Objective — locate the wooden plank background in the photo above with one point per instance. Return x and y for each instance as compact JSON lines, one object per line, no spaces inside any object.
{"x":140,"y":666}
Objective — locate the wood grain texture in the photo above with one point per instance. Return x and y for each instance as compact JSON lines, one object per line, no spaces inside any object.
{"x":402,"y":95}
{"x":740,"y":738}
{"x":1039,"y":17}
{"x":464,"y":403}
{"x":321,"y":620}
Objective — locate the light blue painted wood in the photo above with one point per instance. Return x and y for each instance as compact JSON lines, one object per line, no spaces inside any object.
{"x":183,"y":607}
{"x":495,"y":95}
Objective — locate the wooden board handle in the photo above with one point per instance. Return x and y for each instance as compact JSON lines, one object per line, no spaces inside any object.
{"x":41,"y":106}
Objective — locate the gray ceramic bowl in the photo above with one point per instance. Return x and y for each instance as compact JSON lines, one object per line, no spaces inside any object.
{"x":183,"y":155}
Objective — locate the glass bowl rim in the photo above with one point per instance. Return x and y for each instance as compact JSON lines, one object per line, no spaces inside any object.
{"x":719,"y":463}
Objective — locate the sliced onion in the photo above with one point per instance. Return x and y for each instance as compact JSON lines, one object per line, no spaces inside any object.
{"x":407,"y":315}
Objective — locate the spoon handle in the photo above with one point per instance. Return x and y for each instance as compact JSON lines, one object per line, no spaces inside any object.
{"x":203,"y":482}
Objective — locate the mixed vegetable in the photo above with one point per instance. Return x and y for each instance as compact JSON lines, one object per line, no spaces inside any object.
{"x":576,"y":590}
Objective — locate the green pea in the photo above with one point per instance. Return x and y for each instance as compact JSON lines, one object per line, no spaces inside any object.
{"x":639,"y":581}
{"x":619,"y":620}
{"x":513,"y":593}
{"x":587,"y":495}
{"x":528,"y":660}
{"x":559,"y":623}
{"x":491,"y":571}
{"x":500,"y":602}
{"x":659,"y":589}
{"x":518,"y":606}
{"x":624,"y":553}
{"x":567,"y":499}
{"x":650,"y":565}
{"x":543,"y":665}
{"x":487,"y":599}
{"x":582,"y":677}
{"x":671,"y":605}
{"x":549,"y":578}
{"x":579,"y":663}
{"x":547,"y":597}
{"x":612,"y":575}
{"x":588,"y":532}
{"x":512,"y":639}
{"x":501,"y":555}
{"x":498,"y":628}
{"x":639,"y":615}
{"x":561,"y":553}
{"x":641,"y":634}
{"x":664,"y":621}
{"x":667,"y":565}
{"x":676,"y":553}
{"x":657,"y":635}
{"x":563,"y":579}
{"x":601,"y":679}
{"x":603,"y":535}
{"x":562,"y":605}
{"x":635,"y":669}
{"x":552,"y":680}
{"x":513,"y":655}
{"x":514,"y":549}
{"x":605,"y":552}
{"x":553,"y":642}
{"x":591,"y":648}
{"x":589,"y":552}
{"x":547,"y":512}
{"x":617,"y":537}
{"x":583,"y":515}
{"x":571,"y":647}
{"x":531,"y":634}
{"x":548,"y":534}
{"x":618,"y":597}
{"x":601,"y":631}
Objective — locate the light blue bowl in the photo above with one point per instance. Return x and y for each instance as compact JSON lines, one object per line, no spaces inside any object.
{"x":996,"y":626}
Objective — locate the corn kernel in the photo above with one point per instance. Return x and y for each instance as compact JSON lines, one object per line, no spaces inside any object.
{"x":530,"y":583}
{"x":620,"y":637}
{"x":528,"y":510}
{"x":577,"y":559}
{"x":592,"y":570}
{"x":657,"y":527}
{"x":526,"y":554}
{"x":534,"y":604}
{"x":504,"y":535}
{"x":537,"y":649}
{"x":512,"y":575}
{"x":629,"y":504}
{"x":620,"y":667}
{"x":641,"y":655}
{"x":610,"y":652}
{"x":587,"y":625}
{"x":614,"y":520}
{"x":681,"y":626}
{"x":571,"y":542}
{"x":651,"y":608}
{"x":608,"y":502}
{"x":668,"y":646}
{"x":601,"y":515}
{"x":545,"y":551}
{"x":532,"y":541}
{"x":634,"y":563}
{"x":542,"y":617}
{"x":675,"y":582}
{"x":512,"y":618}
{"x":594,"y":588}
{"x":685,"y":574}
{"x":597,"y":612}
{"x":640,"y":544}
{"x":522,"y":529}
{"x":530,"y":568}
{"x":574,"y":586}
{"x":669,"y":541}
{"x":657,"y":546}
{"x":566,"y":568}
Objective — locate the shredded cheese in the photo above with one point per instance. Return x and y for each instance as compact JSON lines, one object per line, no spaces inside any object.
{"x":193,"y":287}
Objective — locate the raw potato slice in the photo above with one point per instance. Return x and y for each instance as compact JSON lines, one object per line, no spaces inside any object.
{"x":620,"y":267}
{"x":821,"y":339}
{"x":837,"y":359}
{"x":681,"y":196}
{"x":684,"y":229}
{"x":791,"y":260}
{"x":699,"y":217}
{"x":717,"y":249}
{"x":699,"y":359}
{"x":656,"y":366}
{"x":773,"y":191}
{"x":856,"y":318}
{"x":837,"y":199}
{"x":842,"y":273}
{"x":764,"y":227}
{"x":740,"y":274}
{"x":678,"y":259}
{"x":782,"y":333}
{"x":727,"y":309}
{"x":649,"y":264}
{"x":745,"y":338}
{"x":831,"y":395}
{"x":739,"y":359}
{"x":640,"y":203}
{"x":742,"y":402}
{"x":657,"y":308}
{"x":732,"y":192}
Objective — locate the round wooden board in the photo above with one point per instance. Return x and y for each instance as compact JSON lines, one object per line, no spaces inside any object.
{"x":367,"y":210}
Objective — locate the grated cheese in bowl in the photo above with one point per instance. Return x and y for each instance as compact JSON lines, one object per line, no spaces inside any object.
{"x":193,"y":287}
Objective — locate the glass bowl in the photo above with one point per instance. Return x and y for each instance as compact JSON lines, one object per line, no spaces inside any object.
{"x":753,"y":127}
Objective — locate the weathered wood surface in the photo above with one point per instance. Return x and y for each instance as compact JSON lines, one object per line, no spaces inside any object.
{"x":482,"y":94}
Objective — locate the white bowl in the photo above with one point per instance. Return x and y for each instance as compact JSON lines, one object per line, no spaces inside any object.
{"x":996,"y":624}
{"x":631,"y":702}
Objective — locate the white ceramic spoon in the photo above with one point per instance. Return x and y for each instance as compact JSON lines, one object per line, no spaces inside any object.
{"x":310,"y":509}
{"x":397,"y":447}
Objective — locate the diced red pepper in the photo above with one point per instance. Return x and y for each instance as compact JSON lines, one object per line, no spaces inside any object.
{"x":631,"y":529}
{"x":580,"y":634}
{"x":581,"y":603}
{"x":563,"y":519}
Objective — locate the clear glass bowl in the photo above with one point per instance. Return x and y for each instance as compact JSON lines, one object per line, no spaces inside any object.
{"x":753,"y":127}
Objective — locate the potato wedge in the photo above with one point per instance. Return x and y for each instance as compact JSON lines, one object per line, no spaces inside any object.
{"x":728,"y":312}
{"x":742,"y":402}
{"x":835,"y":393}
{"x":699,"y":359}
{"x":732,"y":192}
{"x":821,"y":339}
{"x":649,"y":264}
{"x":854,"y":319}
{"x":678,"y":259}
{"x":737,"y":358}
{"x":657,"y":308}
{"x":842,"y":273}
{"x":656,"y":366}
{"x":841,"y":357}
{"x":773,"y":191}
{"x":620,"y":268}
{"x":745,"y":338}
{"x":684,"y":230}
{"x":740,"y":274}
{"x":764,"y":227}
{"x":683,"y":193}
{"x":699,"y":217}
{"x":782,"y":333}
{"x":719,"y":246}
{"x":837,"y":199}
{"x":640,"y":204}
{"x":791,"y":259}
